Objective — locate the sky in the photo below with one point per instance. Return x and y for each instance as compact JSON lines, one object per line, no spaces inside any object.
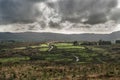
{"x":60,"y":16}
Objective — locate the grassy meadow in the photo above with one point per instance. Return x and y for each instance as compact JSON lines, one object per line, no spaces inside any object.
{"x":65,"y":61}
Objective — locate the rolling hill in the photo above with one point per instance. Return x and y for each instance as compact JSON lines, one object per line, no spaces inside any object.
{"x":33,"y":36}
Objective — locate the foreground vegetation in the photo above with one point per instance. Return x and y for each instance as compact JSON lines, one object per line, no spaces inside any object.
{"x":41,"y":70}
{"x":65,"y":61}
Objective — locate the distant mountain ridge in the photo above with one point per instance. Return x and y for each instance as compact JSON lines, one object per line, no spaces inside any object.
{"x":33,"y":36}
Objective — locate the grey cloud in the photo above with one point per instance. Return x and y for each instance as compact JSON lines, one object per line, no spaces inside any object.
{"x":17,"y":11}
{"x":96,"y":11}
{"x":115,"y":15}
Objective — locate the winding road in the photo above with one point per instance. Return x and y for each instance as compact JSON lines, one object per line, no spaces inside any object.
{"x":77,"y":58}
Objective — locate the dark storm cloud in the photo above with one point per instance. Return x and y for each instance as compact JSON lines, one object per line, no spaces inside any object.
{"x":115,"y":15}
{"x":17,"y":10}
{"x":95,"y":11}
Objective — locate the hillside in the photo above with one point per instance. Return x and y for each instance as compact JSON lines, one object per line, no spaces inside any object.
{"x":32,"y":36}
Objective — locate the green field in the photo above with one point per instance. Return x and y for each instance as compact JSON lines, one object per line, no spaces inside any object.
{"x":13,"y":59}
{"x":64,"y":62}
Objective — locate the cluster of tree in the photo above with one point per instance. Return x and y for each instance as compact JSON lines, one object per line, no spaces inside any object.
{"x":104,"y":42}
{"x":89,"y":43}
{"x":75,"y":43}
{"x":100,"y":42}
{"x":117,"y":41}
{"x":116,"y":48}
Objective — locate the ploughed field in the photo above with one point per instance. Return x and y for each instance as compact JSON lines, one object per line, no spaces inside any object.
{"x":60,"y":61}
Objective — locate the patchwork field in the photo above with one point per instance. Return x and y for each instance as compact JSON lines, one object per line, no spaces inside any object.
{"x":59,"y":61}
